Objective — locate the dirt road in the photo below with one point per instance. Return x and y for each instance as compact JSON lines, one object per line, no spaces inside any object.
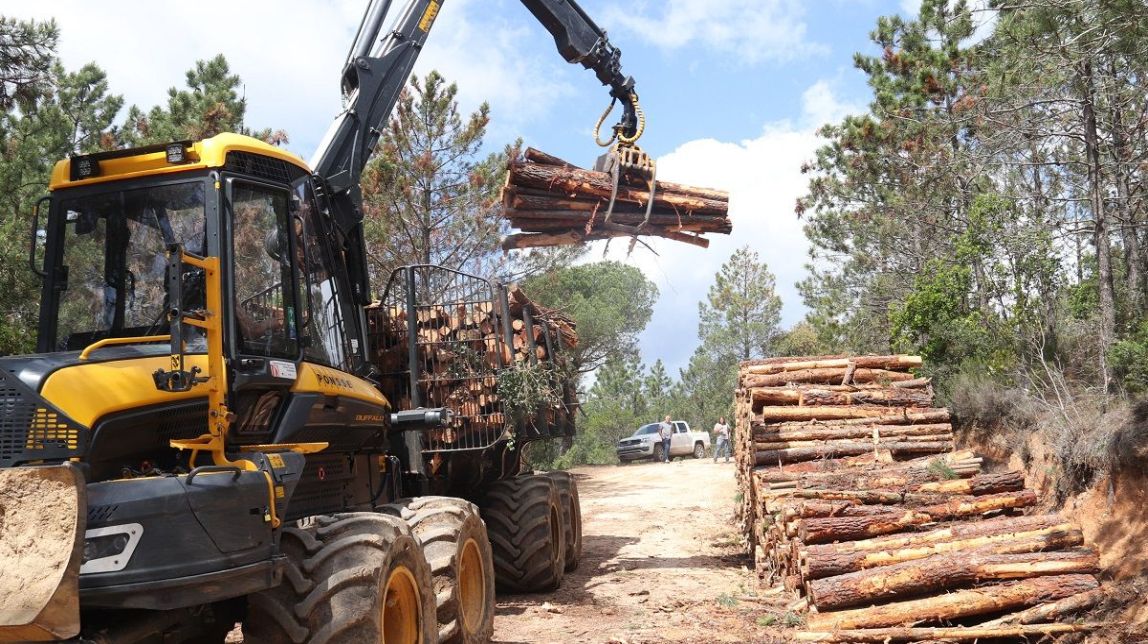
{"x":660,"y":562}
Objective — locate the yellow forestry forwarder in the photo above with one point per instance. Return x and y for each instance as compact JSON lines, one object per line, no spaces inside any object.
{"x":205,"y":435}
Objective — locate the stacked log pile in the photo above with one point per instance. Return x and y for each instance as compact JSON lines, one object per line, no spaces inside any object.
{"x":855,"y":499}
{"x":461,"y":348}
{"x":554,"y":203}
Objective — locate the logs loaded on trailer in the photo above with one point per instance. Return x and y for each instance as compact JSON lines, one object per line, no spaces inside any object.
{"x":554,"y":203}
{"x":855,"y":498}
{"x":464,"y":344}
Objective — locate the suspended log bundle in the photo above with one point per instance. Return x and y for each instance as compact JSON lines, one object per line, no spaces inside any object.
{"x":855,"y":499}
{"x":462,"y":344}
{"x":554,"y":203}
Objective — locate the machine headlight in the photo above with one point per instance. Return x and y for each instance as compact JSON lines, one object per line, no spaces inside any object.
{"x":109,"y":549}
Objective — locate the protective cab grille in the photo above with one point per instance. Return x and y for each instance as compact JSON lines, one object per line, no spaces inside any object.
{"x":263,"y":167}
{"x":31,"y":430}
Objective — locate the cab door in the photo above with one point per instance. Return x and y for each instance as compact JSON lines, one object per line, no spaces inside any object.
{"x":681,"y":442}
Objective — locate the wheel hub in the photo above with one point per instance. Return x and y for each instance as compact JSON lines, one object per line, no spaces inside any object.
{"x":401,"y":608}
{"x":471,"y":586}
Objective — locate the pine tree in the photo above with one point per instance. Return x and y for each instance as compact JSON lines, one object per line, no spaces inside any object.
{"x":429,"y":197}
{"x":741,"y":314}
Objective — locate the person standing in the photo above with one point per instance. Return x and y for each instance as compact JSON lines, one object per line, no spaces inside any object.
{"x":666,"y":432}
{"x":721,"y":436}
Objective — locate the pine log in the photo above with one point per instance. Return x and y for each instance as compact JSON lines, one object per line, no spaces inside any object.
{"x":910,"y":417}
{"x":814,"y":531}
{"x":892,"y":363}
{"x":831,"y":375}
{"x":819,"y":564}
{"x":944,"y":572}
{"x":977,"y":485}
{"x":838,"y":449}
{"x":954,"y":532}
{"x":796,"y":444}
{"x":839,"y":413}
{"x":993,"y":598}
{"x":944,"y":634}
{"x":906,"y":479}
{"x":823,"y":432}
{"x":1051,"y":611}
{"x":813,"y":397}
{"x":599,"y":184}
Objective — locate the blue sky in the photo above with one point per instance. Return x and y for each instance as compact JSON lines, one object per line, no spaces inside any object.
{"x":733,"y":89}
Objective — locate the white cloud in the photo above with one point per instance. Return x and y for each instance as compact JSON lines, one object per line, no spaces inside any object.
{"x":290,"y":55}
{"x":763,"y":177}
{"x":753,"y":30}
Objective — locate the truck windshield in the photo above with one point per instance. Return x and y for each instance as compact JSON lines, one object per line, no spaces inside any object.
{"x":114,"y":251}
{"x":648,"y":429}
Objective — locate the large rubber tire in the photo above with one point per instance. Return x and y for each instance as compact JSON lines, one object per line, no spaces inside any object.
{"x":699,"y":450}
{"x":351,"y":577}
{"x":524,"y":521}
{"x":571,"y":516}
{"x":659,"y":453}
{"x":453,"y":538}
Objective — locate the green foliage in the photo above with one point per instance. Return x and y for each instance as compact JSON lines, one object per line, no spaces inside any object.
{"x":741,"y":314}
{"x":51,"y":113}
{"x":526,"y":388}
{"x":1129,"y":360}
{"x":726,"y":600}
{"x":211,"y":104}
{"x":766,"y":620}
{"x":614,"y":407}
{"x":801,"y":340}
{"x":610,"y":302}
{"x":429,"y":196}
{"x":941,"y":470}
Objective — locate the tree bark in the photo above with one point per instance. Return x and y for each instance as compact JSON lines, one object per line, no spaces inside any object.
{"x":831,"y":375}
{"x":943,"y":634}
{"x":944,"y":572}
{"x":872,"y":412}
{"x":892,"y":362}
{"x":835,"y":450}
{"x":1050,"y":611}
{"x":814,"y":531}
{"x":828,"y":562}
{"x":955,"y":605}
{"x":813,"y":397}
{"x":1100,"y":233}
{"x":832,"y":432}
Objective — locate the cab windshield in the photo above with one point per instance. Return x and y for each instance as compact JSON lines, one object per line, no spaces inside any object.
{"x":114,"y":251}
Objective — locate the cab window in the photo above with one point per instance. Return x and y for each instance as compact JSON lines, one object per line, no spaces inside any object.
{"x":265,"y":299}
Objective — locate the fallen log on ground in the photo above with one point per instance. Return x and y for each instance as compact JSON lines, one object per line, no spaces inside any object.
{"x":943,"y":633}
{"x":815,"y":531}
{"x":992,"y":598}
{"x":945,"y":572}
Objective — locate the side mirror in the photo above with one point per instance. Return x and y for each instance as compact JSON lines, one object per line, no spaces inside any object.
{"x":33,"y":261}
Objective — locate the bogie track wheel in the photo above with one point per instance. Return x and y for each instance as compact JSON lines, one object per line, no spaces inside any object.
{"x":453,"y":538}
{"x":351,"y":577}
{"x":524,"y":520}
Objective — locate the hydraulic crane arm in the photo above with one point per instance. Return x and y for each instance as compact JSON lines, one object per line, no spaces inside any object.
{"x":377,"y":68}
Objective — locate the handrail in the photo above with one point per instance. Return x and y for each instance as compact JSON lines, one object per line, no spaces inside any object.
{"x":108,"y":342}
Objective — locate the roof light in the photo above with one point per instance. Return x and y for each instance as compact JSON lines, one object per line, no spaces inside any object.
{"x":84,"y":168}
{"x":176,"y":153}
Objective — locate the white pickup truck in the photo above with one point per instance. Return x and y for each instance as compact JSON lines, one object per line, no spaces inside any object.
{"x":645,"y":443}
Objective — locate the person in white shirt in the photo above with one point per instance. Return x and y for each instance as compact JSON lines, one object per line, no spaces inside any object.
{"x":721,"y":437}
{"x":666,"y":432}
